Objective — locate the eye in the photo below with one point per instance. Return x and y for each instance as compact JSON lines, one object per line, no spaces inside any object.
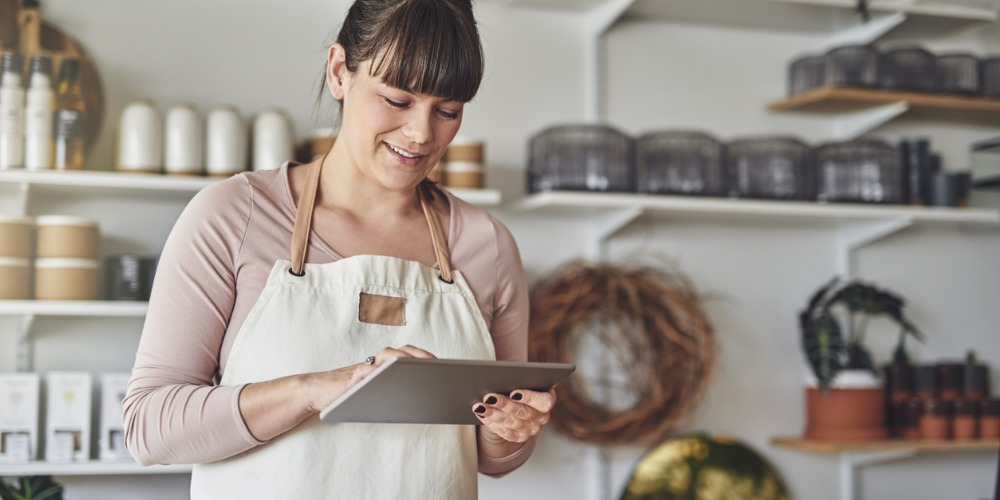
{"x":451,"y":115}
{"x":395,"y":104}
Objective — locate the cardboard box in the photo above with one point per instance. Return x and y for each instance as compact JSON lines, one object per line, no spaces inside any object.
{"x":67,"y":416}
{"x":111,"y":440}
{"x":19,"y":403}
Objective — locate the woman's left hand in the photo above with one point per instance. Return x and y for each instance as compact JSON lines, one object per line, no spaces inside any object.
{"x":516,"y":418}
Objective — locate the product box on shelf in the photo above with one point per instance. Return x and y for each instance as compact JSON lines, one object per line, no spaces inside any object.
{"x":111,"y":439}
{"x":67,"y":416}
{"x":19,"y":398}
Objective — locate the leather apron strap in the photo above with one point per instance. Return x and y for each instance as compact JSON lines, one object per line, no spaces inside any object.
{"x":303,"y":227}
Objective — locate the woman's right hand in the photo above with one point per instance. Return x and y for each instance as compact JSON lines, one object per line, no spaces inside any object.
{"x":342,"y":379}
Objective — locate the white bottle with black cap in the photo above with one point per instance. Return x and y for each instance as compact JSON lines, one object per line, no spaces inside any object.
{"x":40,"y":103}
{"x":11,"y":112}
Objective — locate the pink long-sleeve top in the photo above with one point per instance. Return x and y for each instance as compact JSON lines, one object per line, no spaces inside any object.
{"x":212,"y":271}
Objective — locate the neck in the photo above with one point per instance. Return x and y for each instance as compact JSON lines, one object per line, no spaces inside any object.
{"x":345,"y":186}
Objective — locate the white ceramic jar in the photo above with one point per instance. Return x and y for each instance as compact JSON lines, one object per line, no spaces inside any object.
{"x":140,"y":138}
{"x":184,"y":141}
{"x":15,"y":278}
{"x":15,"y":237}
{"x":273,"y":143}
{"x":66,"y":236}
{"x":225,"y":143}
{"x":66,"y":279}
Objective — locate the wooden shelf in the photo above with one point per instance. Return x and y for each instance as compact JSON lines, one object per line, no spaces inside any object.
{"x":836,"y":447}
{"x":99,"y":182}
{"x":848,"y":99}
{"x":92,"y":308}
{"x":92,"y":468}
{"x":585,"y":203}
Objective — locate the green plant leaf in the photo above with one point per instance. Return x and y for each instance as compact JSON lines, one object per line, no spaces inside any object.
{"x":823,"y":343}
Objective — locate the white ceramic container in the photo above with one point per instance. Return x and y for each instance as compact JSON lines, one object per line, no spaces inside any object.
{"x":225,"y":142}
{"x":273,"y":143}
{"x":140,"y":138}
{"x":184,"y":141}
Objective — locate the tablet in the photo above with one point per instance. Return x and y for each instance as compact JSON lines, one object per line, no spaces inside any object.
{"x":436,"y":391}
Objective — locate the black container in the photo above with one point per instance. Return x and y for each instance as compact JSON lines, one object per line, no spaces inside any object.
{"x":925,"y":381}
{"x":125,"y":277}
{"x":581,"y":158}
{"x":680,"y":162}
{"x":148,"y":273}
{"x":911,"y":68}
{"x":960,"y":74}
{"x":772,"y":167}
{"x":976,"y":381}
{"x":806,"y":73}
{"x":991,"y":76}
{"x":853,"y":66}
{"x":918,"y":166}
{"x":863,"y":170}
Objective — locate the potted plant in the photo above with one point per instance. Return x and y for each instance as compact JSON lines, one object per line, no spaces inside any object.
{"x":847,"y":401}
{"x":31,"y":488}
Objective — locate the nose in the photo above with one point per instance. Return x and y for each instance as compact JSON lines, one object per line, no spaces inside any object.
{"x":418,"y":127}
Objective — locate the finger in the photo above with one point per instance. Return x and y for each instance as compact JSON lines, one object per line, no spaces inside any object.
{"x":541,"y":401}
{"x":505,"y":426}
{"x":417,"y":352}
{"x":519,"y":411}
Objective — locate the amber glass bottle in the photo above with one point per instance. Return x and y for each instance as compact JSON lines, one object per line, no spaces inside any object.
{"x":70,"y":118}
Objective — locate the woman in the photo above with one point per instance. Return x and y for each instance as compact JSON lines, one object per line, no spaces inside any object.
{"x":244,"y":345}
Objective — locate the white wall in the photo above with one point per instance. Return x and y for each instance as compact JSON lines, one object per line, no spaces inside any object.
{"x":659,"y":75}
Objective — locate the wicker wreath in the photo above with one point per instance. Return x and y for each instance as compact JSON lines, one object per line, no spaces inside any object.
{"x":652,"y":324}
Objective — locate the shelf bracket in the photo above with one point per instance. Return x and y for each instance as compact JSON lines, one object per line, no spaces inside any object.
{"x":854,"y":235}
{"x":604,"y":226}
{"x":597,"y":21}
{"x":850,"y":462}
{"x":866,"y":33}
{"x":25,"y":347}
{"x":853,"y":125}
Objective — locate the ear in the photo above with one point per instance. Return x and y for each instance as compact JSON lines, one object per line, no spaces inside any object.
{"x":336,"y":70}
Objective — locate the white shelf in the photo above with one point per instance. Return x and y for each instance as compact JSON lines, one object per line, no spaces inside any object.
{"x":92,"y":468}
{"x":694,"y":207}
{"x":97,"y":308}
{"x":101,"y":181}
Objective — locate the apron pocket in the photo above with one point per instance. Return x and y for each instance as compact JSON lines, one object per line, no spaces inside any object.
{"x":382,"y":309}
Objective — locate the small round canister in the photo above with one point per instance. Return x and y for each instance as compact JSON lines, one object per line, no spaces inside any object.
{"x":66,"y":279}
{"x":15,"y":278}
{"x":65,"y":236}
{"x":126,"y":280}
{"x":463,"y":166}
{"x":15,"y":237}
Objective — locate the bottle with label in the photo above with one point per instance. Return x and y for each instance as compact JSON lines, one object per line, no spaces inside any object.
{"x":70,"y":118}
{"x":39,"y":105}
{"x":11,"y":112}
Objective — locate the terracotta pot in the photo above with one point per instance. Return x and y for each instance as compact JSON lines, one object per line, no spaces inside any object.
{"x":854,"y":414}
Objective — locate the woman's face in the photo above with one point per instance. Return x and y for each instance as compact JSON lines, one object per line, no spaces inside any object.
{"x":393,"y":136}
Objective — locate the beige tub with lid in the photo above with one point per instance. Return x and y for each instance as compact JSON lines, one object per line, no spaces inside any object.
{"x":15,"y":278}
{"x":66,"y":279}
{"x":15,"y":237}
{"x":66,"y":236}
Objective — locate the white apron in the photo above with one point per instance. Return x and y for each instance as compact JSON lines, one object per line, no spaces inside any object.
{"x":335,"y":315}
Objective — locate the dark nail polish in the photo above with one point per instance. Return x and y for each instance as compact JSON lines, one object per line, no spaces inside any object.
{"x":517,"y":396}
{"x":480,"y":409}
{"x":492,"y":400}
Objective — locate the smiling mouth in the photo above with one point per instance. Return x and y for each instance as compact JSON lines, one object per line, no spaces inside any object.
{"x":404,"y":153}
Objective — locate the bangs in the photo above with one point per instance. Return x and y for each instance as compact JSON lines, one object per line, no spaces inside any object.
{"x":428,"y":47}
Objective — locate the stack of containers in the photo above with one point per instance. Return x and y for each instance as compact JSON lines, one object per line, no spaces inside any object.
{"x":67,"y":251}
{"x":463,"y":166}
{"x":15,"y":255}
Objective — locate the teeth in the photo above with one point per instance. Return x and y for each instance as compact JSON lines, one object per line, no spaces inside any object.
{"x":401,"y":152}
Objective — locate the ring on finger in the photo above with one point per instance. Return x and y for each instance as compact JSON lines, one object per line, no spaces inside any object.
{"x":370,"y":360}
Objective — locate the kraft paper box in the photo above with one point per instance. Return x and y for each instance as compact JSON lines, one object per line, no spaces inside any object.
{"x":67,"y":416}
{"x":111,"y":439}
{"x":19,"y":403}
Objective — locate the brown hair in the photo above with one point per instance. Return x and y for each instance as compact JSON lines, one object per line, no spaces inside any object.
{"x":422,"y":46}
